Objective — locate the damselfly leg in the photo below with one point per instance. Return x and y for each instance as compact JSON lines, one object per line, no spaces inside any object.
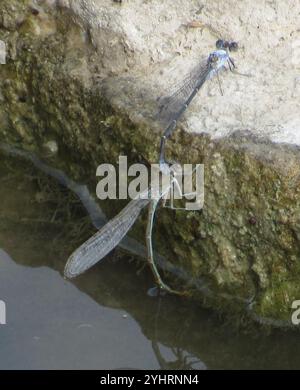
{"x":219,"y":82}
{"x":176,"y":186}
{"x":161,"y":284}
{"x":149,"y":234}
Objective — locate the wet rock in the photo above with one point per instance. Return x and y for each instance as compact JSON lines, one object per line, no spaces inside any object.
{"x":88,"y":74}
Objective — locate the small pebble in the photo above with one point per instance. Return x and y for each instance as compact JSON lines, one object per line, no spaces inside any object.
{"x":51,"y":146}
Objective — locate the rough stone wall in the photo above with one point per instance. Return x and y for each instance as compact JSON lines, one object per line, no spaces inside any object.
{"x":86,"y":74}
{"x":154,"y":37}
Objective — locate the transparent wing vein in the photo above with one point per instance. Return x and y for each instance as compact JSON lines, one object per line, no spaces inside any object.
{"x":171,"y":104}
{"x":105,"y":240}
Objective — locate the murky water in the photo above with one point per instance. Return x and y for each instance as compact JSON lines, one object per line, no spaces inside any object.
{"x":104,"y":319}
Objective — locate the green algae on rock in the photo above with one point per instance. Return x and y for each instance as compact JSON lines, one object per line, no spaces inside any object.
{"x":243,"y":245}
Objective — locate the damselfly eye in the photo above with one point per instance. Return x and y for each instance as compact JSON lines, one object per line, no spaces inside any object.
{"x":233,"y":46}
{"x":220,"y":44}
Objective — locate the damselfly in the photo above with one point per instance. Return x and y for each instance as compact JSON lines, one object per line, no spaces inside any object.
{"x":110,"y":235}
{"x":173,"y":107}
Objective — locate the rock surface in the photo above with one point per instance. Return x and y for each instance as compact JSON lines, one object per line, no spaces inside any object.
{"x":85,"y":75}
{"x":158,"y":39}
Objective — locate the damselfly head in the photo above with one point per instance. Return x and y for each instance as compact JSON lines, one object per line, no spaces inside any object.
{"x":233,"y":46}
{"x":226,"y":45}
{"x":220,"y":44}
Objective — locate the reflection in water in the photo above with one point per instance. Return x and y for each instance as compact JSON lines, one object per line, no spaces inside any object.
{"x":105,"y":318}
{"x":183,"y":360}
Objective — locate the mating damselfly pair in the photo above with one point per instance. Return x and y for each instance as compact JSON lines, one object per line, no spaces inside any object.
{"x":171,"y":110}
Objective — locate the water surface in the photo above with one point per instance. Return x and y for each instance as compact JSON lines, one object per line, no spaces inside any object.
{"x":103,"y":319}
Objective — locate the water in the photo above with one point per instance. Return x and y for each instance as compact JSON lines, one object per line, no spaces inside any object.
{"x":104,"y":319}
